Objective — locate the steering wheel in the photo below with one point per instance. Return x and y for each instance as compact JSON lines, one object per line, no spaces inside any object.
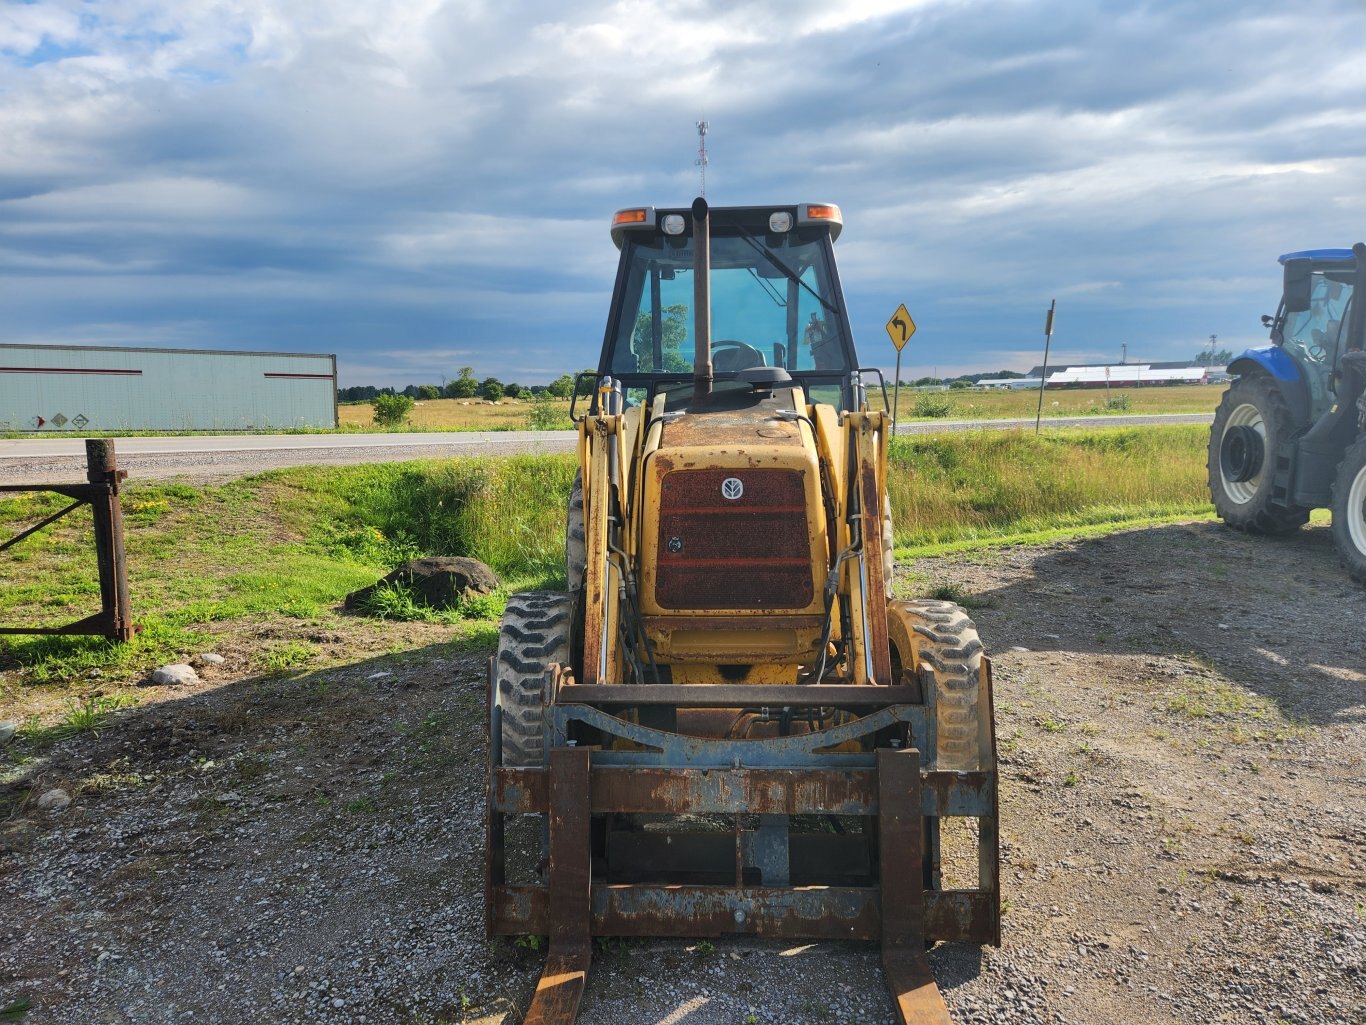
{"x":727,"y":355}
{"x":1314,"y":348}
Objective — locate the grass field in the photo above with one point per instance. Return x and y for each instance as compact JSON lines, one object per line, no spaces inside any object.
{"x":1008,"y":405}
{"x":292,"y":543}
{"x":517,"y":414}
{"x":513,"y":414}
{"x":457,"y":415}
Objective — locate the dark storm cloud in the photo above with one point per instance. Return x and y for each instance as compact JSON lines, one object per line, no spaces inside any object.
{"x":422,"y":186}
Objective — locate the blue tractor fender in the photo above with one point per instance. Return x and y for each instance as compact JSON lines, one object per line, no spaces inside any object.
{"x":1273,"y":361}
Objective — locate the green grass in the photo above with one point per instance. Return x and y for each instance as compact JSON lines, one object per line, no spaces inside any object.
{"x":982,"y":485}
{"x":286,"y":544}
{"x":85,"y":716}
{"x":292,"y":543}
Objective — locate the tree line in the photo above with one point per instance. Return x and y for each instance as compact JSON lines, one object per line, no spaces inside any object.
{"x":468,"y":386}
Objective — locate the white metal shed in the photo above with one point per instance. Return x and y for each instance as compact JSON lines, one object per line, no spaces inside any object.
{"x":74,"y":388}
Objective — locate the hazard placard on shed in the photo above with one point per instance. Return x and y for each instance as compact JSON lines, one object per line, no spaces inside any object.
{"x":900,"y":327}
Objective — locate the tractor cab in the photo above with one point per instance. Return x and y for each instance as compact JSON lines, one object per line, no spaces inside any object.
{"x":774,"y":293}
{"x":1311,"y":324}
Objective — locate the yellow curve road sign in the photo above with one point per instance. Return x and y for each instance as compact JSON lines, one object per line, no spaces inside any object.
{"x":900,"y":327}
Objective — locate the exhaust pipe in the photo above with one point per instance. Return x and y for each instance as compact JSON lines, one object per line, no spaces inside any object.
{"x":701,"y":300}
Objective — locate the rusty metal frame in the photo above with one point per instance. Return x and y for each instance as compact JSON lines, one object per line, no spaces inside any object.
{"x":101,"y":493}
{"x":898,"y":903}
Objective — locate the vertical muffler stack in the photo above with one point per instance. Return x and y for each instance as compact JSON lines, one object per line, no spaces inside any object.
{"x":701,"y":292}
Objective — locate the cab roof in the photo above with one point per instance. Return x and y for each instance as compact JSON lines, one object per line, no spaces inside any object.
{"x":754,"y":219}
{"x":1321,"y":256}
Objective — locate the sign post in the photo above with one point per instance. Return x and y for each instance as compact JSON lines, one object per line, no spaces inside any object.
{"x":899,"y":330}
{"x":1043,"y":378}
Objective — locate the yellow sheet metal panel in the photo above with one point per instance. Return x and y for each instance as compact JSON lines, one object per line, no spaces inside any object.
{"x":75,"y":389}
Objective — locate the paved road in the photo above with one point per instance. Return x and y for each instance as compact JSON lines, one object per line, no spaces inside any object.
{"x":219,"y":457}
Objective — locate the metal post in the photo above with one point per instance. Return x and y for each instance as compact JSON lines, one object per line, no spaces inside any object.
{"x":1043,"y":376}
{"x":896,"y":391}
{"x":102,"y":468}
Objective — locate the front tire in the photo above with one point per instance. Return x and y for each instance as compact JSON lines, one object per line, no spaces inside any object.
{"x":1250,"y":427}
{"x":536,"y":632}
{"x":1349,"y":511}
{"x":940,"y":636}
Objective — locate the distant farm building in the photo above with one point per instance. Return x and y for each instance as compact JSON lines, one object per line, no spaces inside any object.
{"x":1129,"y":375}
{"x":1008,"y":383}
{"x":72,"y":389}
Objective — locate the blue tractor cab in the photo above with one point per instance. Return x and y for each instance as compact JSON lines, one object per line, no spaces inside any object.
{"x":1290,"y":433}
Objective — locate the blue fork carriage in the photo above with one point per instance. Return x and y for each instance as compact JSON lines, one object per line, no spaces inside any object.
{"x":609,"y":876}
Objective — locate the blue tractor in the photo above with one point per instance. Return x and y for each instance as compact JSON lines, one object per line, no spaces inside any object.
{"x":1290,"y":433}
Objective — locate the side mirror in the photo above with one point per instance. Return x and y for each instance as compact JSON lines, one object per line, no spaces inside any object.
{"x":1299,"y":282}
{"x":1267,"y":319}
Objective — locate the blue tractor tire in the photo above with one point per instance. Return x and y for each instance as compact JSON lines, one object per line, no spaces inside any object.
{"x":1349,"y":510}
{"x":1250,"y":428}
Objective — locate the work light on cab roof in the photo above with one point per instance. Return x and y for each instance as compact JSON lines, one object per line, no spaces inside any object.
{"x":780,"y":220}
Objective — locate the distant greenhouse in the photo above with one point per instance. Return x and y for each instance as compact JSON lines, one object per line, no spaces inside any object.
{"x":1128,"y":374}
{"x":73,"y":389}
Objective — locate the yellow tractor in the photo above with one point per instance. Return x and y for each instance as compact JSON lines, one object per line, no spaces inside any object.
{"x":726,"y":725}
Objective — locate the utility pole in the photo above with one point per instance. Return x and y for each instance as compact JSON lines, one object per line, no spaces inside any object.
{"x":1123,"y":353}
{"x":1212,"y":340}
{"x":701,"y":161}
{"x":1043,"y":376}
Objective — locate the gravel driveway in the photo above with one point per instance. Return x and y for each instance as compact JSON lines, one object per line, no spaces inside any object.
{"x":1181,"y":719}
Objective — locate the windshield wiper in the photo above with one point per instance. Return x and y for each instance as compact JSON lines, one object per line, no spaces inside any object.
{"x":784,"y":269}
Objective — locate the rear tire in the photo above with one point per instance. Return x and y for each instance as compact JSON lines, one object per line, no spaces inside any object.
{"x":888,"y":544}
{"x":1250,"y":426}
{"x":536,"y":632}
{"x":1349,"y":511}
{"x":575,"y":538}
{"x":942,"y":637}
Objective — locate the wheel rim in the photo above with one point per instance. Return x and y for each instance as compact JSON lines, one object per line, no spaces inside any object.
{"x":1244,"y":491}
{"x":1356,"y":511}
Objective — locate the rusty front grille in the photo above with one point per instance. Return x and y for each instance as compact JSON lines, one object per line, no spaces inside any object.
{"x":746,"y":552}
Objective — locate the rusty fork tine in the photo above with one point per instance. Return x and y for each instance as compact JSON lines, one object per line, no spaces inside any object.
{"x":561,"y":987}
{"x":904,"y":965}
{"x":917,"y":998}
{"x":571,"y":947}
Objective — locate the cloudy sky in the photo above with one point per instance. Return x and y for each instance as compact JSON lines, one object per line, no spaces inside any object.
{"x":422,"y":185}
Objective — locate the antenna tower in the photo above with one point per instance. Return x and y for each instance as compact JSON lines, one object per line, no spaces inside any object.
{"x":701,"y":160}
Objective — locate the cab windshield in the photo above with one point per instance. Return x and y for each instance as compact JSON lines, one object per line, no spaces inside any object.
{"x":1314,"y":335}
{"x":774,"y":302}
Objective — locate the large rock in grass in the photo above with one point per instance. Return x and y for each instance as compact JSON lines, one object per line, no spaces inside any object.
{"x":439,"y":582}
{"x":179,"y":675}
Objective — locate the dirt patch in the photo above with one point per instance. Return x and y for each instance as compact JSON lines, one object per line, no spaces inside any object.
{"x":1181,"y":722}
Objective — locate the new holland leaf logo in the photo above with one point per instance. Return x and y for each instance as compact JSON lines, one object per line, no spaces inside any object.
{"x":732,"y":488}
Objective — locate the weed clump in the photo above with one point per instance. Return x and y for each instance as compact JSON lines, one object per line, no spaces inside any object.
{"x":401,"y":603}
{"x":392,"y":410}
{"x":932,"y":407}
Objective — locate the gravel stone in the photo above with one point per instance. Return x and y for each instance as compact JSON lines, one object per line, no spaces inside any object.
{"x":54,"y":801}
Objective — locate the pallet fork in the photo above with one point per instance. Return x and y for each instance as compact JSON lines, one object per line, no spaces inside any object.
{"x":881,"y":885}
